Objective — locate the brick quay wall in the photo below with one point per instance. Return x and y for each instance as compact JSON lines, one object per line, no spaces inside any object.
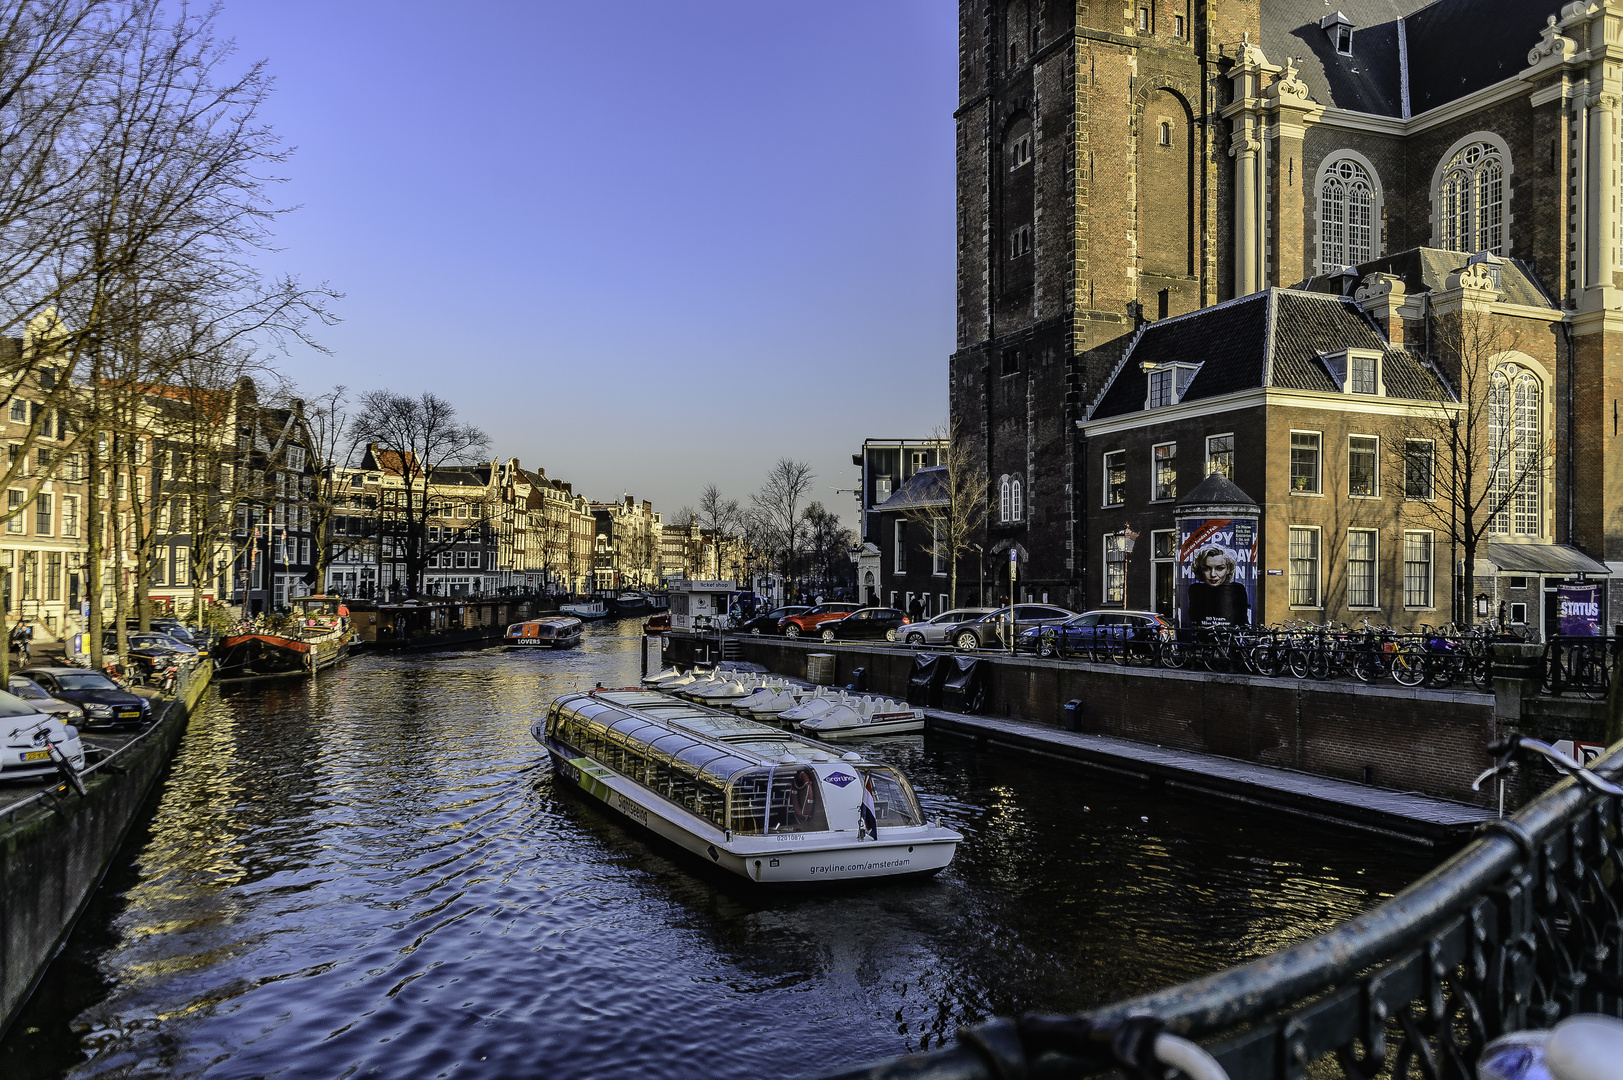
{"x":1390,"y":736}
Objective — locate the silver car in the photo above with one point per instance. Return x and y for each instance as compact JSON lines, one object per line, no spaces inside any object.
{"x":33,"y":693}
{"x":934,"y":631}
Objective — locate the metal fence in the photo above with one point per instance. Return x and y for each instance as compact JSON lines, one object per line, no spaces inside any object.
{"x":1522,"y":927}
{"x":1580,"y":665}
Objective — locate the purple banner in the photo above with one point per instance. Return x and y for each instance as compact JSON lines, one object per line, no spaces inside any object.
{"x":1579,"y":608}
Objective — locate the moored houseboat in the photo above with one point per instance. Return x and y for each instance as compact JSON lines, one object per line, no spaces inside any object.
{"x":547,"y":632}
{"x":767,"y":805}
{"x":594,"y":609}
{"x":319,"y":638}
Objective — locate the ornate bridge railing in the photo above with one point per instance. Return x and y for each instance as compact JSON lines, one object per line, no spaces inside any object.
{"x":1521,"y":928}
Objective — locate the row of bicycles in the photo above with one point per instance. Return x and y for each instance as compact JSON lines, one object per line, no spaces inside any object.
{"x":1430,"y":657}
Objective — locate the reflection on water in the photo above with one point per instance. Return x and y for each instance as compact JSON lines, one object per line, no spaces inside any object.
{"x":374,"y":874}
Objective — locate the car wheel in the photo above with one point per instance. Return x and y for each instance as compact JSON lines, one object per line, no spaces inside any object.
{"x":915,"y":639}
{"x":828,"y":635}
{"x":791,"y":630}
{"x":755,"y":630}
{"x":890,"y":635}
{"x":968,"y":640}
{"x":1045,"y":647}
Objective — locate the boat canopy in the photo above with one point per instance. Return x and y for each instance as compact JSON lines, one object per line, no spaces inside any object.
{"x":740,"y":775}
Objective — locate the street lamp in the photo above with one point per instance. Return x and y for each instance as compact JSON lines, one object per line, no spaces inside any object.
{"x":980,"y":558}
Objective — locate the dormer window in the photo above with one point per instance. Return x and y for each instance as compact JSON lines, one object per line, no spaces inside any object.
{"x":1357,"y":370}
{"x":1339,"y":29}
{"x":1167,"y":383}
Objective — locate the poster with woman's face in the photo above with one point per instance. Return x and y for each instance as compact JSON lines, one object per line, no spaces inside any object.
{"x":1217,"y":571}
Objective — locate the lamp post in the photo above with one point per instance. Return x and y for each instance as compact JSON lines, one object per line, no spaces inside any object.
{"x":980,"y":558}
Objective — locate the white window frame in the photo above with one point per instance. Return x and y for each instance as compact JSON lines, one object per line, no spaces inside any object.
{"x":1177,"y":377}
{"x":1431,"y":474}
{"x":1318,"y":483}
{"x":1229,"y":435}
{"x":1338,"y":244}
{"x":1115,"y":569}
{"x":1017,"y":500}
{"x":1155,"y":471}
{"x":1431,"y":570}
{"x":898,"y":551}
{"x":1448,"y":232}
{"x":1375,"y":475}
{"x":1318,"y":568}
{"x":1374,"y":599}
{"x":938,"y":564}
{"x":1106,"y":486}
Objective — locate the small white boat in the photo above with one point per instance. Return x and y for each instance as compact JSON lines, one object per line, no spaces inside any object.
{"x":866,"y":720}
{"x":547,"y":632}
{"x":594,"y":610}
{"x":762,"y":803}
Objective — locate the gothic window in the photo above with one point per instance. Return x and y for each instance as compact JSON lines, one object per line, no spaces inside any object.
{"x":1471,"y":200}
{"x":1009,"y":499}
{"x":1003,"y":499}
{"x":1515,"y":451}
{"x":1346,"y":216}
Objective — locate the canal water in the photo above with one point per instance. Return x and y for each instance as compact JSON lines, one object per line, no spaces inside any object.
{"x":375,"y":875}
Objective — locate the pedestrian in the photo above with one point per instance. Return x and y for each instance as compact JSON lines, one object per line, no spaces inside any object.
{"x":26,"y":636}
{"x":916,"y":612}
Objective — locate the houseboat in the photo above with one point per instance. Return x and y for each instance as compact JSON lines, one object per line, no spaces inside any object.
{"x":547,"y":632}
{"x":765,"y":804}
{"x":318,"y":638}
{"x":594,"y":609}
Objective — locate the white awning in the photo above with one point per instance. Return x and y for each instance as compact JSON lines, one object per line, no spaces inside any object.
{"x":1547,"y":560}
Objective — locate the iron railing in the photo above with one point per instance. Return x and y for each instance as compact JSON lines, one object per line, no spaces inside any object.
{"x":1522,"y":927}
{"x":1580,"y":665}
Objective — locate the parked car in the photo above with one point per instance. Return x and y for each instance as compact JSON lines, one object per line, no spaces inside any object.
{"x":934,"y":631}
{"x":26,"y":736}
{"x":871,"y":622}
{"x":148,"y":654}
{"x":1095,"y":626}
{"x":33,"y":693}
{"x":812,"y":618}
{"x":991,"y":631}
{"x":104,"y":703}
{"x":771,"y":622}
{"x":182,"y":633}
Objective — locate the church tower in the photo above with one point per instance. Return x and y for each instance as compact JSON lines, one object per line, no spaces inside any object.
{"x":1094,"y":181}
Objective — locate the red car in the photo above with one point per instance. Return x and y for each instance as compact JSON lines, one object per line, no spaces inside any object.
{"x":808,"y":621}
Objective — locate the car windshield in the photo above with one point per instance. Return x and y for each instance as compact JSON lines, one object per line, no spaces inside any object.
{"x":87,"y":680}
{"x":27,"y":688}
{"x":12,"y":705}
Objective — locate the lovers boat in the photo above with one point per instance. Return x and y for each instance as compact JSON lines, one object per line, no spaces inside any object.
{"x":767,"y":805}
{"x":546,"y":632}
{"x":319,"y":639}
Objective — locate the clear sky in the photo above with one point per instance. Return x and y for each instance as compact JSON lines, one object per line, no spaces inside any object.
{"x":645,"y":245}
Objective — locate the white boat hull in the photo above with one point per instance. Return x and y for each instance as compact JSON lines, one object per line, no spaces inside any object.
{"x":776,"y":860}
{"x":909,"y":726}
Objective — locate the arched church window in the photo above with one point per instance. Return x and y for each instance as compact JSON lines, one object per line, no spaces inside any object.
{"x":1346,"y":216}
{"x":1471,"y":200}
{"x":1014,"y":499}
{"x":1515,"y":452}
{"x":1003,"y":499}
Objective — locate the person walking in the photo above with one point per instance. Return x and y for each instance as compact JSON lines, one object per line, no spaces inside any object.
{"x":25,"y":635}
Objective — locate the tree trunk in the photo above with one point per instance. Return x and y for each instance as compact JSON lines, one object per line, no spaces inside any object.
{"x":94,"y":552}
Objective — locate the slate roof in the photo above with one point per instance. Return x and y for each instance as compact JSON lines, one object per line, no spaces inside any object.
{"x":927,"y":487}
{"x":1425,"y":269}
{"x":1216,"y":490}
{"x":1454,"y":48}
{"x":1270,"y":339}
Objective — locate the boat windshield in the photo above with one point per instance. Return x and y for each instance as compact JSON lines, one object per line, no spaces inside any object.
{"x":785,"y":799}
{"x":894,"y":802}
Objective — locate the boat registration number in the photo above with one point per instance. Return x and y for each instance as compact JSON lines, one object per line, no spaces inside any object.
{"x":37,"y":755}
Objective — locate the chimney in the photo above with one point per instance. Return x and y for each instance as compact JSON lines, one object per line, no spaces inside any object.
{"x":1381,"y":296}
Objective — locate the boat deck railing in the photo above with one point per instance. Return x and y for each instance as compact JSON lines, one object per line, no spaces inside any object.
{"x":1522,"y":927}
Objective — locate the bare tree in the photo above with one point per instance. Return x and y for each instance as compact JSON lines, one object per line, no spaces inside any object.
{"x":412,"y":438}
{"x":333,"y":451}
{"x":777,"y":510}
{"x":953,"y":511}
{"x":828,"y":545}
{"x":1472,"y":465}
{"x":723,"y":520}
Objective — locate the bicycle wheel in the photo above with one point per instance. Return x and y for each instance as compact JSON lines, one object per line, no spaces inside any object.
{"x":1298,"y":662}
{"x":1409,"y":667}
{"x":1482,"y":673}
{"x":1175,"y":654}
{"x":1366,"y":665}
{"x":1318,"y":664}
{"x":1440,"y":671}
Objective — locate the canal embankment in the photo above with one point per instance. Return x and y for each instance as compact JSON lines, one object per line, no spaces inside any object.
{"x":1393,"y":760}
{"x":56,"y":845}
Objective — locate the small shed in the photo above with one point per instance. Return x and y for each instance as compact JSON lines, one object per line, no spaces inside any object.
{"x":697,"y":606}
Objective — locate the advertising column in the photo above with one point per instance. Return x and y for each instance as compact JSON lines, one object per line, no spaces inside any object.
{"x":1217,"y":570}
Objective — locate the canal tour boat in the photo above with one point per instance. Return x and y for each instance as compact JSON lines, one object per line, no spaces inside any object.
{"x":765,"y":804}
{"x":318,"y":638}
{"x":546,"y":632}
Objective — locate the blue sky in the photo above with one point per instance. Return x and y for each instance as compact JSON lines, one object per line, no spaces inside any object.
{"x":646,"y":246}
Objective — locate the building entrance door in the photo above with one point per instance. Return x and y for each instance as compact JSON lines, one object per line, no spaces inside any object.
{"x":1164,"y":574}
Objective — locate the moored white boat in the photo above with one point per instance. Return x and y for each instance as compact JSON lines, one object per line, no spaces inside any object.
{"x":546,"y":632}
{"x":596,"y":609}
{"x":865,"y":719}
{"x":767,"y":805}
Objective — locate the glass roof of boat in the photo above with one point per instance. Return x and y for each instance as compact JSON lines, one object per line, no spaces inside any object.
{"x":717,"y":726}
{"x":774,"y":748}
{"x":635,"y":699}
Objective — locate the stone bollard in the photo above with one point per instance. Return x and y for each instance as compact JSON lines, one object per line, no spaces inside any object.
{"x":1518,"y":675}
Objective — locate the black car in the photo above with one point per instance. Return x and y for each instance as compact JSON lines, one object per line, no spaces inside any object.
{"x":103,"y":702}
{"x":176,"y":629}
{"x":768,"y":623}
{"x":868,"y":622}
{"x":148,"y":654}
